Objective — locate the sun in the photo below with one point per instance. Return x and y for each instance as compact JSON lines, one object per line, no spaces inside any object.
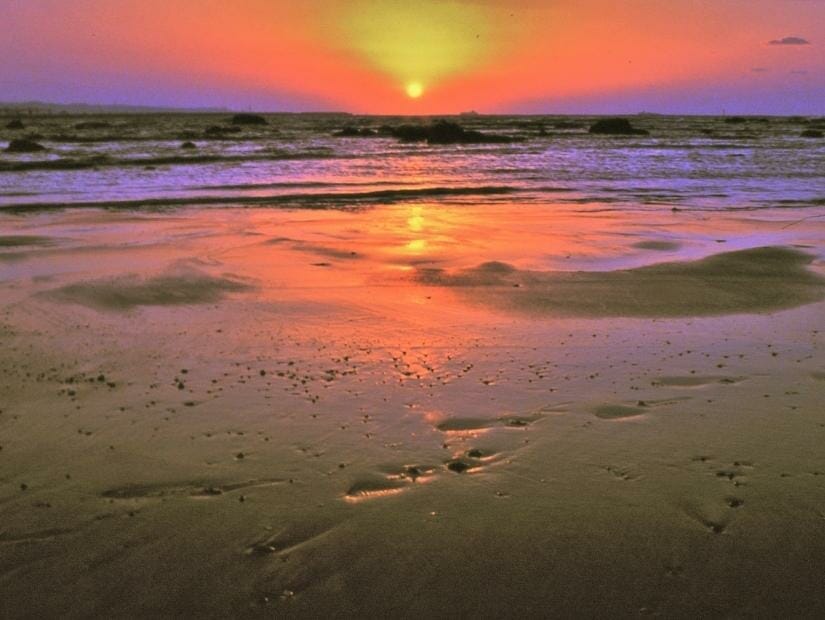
{"x":415,"y":90}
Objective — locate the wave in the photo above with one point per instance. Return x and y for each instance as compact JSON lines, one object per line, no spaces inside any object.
{"x":104,"y":161}
{"x":296,"y":184}
{"x":799,"y":202}
{"x":334,"y":200}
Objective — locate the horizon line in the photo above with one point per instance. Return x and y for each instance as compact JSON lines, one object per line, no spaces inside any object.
{"x":16,"y":107}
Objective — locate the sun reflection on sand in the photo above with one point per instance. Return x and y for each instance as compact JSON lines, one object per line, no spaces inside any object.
{"x":417,"y":246}
{"x":416,"y":219}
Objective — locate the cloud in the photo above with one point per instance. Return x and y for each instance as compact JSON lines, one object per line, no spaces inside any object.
{"x":790,"y":41}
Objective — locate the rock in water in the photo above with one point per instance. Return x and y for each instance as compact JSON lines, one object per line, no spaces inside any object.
{"x":616,"y":127}
{"x":354,"y":132}
{"x":812,"y":133}
{"x":24,"y":146}
{"x":410,"y":133}
{"x":16,"y":124}
{"x":188,"y":145}
{"x":248,"y":119}
{"x":445,"y":132}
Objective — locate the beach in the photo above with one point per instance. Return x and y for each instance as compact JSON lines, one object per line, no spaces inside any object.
{"x":597,"y":402}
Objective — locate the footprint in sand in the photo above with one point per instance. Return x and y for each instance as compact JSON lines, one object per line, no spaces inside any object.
{"x":472,"y":460}
{"x":711,"y":516}
{"x":458,"y":425}
{"x":193,"y":489}
{"x":391,"y":482}
{"x":618,"y":412}
{"x":395,"y":480}
{"x":7,"y":538}
{"x":689,"y":381}
{"x":371,"y":488}
{"x":619,"y":473}
{"x":717,"y":515}
{"x":658,"y":246}
{"x":286,"y":541}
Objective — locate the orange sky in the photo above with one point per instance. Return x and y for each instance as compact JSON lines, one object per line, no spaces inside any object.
{"x":360,"y":55}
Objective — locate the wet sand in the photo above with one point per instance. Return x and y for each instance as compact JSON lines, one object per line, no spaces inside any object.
{"x":412,"y":410}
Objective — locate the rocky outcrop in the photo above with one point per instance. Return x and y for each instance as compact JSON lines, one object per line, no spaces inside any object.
{"x":616,"y":127}
{"x":445,"y":132}
{"x":24,"y":146}
{"x":248,"y":119}
{"x":355,"y":132}
{"x":440,"y":132}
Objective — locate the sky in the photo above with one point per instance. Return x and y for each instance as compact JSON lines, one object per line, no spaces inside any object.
{"x":420,"y":56}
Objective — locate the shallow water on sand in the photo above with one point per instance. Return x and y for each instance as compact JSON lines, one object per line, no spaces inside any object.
{"x":261,"y":412}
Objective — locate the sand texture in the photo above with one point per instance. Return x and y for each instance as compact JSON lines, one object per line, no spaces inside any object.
{"x":411,"y":411}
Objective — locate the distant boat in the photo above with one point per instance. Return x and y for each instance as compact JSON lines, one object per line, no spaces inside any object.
{"x":470,"y":113}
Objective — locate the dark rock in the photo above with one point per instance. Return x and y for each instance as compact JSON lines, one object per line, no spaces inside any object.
{"x":16,"y":124}
{"x":458,"y":467}
{"x":188,"y":145}
{"x":616,"y":127}
{"x":24,"y":146}
{"x":355,"y":132}
{"x":410,"y":133}
{"x":93,"y":125}
{"x":812,"y":133}
{"x":413,"y":472}
{"x":347,"y":132}
{"x":445,"y":132}
{"x":736,"y":120}
{"x":248,"y":119}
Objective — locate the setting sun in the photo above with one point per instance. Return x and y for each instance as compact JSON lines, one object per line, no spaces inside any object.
{"x":415,"y":90}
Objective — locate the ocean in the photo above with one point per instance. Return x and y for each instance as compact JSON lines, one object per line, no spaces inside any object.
{"x":296,"y":161}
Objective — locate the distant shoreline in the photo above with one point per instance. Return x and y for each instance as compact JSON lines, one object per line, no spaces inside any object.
{"x":41,"y":108}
